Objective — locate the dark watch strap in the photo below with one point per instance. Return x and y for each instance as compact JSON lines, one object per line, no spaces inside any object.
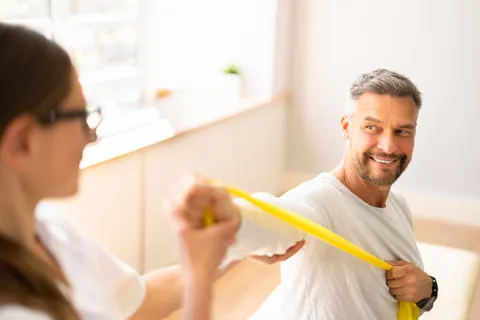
{"x":427,"y":304}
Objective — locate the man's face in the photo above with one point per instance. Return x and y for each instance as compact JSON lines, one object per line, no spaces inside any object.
{"x":381,"y":137}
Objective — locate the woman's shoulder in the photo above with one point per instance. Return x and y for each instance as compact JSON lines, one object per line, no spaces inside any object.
{"x":13,"y":312}
{"x":86,"y":262}
{"x":53,"y":224}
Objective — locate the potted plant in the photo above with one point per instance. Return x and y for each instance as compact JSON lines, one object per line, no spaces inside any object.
{"x":232,"y":81}
{"x":231,"y":69}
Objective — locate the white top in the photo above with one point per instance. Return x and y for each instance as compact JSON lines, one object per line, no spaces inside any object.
{"x":102,"y":287}
{"x":321,"y":281}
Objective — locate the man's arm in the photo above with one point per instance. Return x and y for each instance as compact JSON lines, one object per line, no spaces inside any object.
{"x":261,"y":234}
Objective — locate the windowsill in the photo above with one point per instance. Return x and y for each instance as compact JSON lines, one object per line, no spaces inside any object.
{"x":144,"y":128}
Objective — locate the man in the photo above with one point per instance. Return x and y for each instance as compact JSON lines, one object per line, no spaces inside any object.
{"x":354,"y":200}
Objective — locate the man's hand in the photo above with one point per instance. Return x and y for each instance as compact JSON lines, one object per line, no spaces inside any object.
{"x":407,"y":282}
{"x":279,"y":257}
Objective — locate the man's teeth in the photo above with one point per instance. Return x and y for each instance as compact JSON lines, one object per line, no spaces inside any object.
{"x":383,"y":161}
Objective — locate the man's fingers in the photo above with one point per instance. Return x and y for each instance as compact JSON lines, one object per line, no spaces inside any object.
{"x":280,"y":257}
{"x":296,"y":247}
{"x":397,"y":262}
{"x":397,"y":272}
{"x":267,"y":260}
{"x":292,"y":250}
{"x":397,"y":283}
{"x":396,"y":292}
{"x":405,"y":297}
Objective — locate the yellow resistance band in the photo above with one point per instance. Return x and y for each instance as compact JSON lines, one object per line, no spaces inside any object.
{"x":406,"y":310}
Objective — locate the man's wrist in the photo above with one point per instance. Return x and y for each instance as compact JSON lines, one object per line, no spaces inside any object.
{"x":427,"y":303}
{"x":427,"y":288}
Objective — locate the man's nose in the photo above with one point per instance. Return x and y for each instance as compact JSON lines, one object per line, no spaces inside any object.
{"x":387,"y":143}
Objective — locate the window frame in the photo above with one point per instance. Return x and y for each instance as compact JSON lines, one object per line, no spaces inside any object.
{"x":60,"y":16}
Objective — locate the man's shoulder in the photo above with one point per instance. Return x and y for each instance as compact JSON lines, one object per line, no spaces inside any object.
{"x":398,"y":198}
{"x":318,"y":190}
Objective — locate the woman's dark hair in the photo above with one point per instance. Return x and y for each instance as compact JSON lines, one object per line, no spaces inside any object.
{"x":35,"y":73}
{"x":35,"y":77}
{"x":30,"y":282}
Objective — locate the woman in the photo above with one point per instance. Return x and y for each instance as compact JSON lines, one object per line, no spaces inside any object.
{"x":48,"y":269}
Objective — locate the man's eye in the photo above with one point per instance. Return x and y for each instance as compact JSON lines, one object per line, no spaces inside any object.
{"x":404,"y":132}
{"x":370,"y":127}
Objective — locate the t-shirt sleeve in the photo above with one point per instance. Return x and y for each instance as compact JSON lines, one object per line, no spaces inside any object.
{"x":121,"y":285}
{"x":22,"y":313}
{"x":260,"y":233}
{"x":124,"y":286}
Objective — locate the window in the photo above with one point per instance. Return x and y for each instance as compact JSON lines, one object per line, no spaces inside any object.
{"x":167,"y":54}
{"x":103,"y":39}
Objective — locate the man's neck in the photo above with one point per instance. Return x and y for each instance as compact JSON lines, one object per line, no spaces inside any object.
{"x":372,"y":194}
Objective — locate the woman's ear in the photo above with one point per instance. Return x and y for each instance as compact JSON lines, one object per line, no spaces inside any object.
{"x":16,"y":143}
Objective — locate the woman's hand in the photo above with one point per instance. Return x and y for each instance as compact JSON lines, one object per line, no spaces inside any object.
{"x":203,"y":248}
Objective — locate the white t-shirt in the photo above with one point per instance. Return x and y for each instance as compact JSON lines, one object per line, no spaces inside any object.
{"x":102,"y":287}
{"x":321,"y":281}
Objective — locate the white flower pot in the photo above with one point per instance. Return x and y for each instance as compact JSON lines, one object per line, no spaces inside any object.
{"x":231,"y":87}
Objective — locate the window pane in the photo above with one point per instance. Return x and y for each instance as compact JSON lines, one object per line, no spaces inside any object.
{"x":24,"y":9}
{"x":104,"y":46}
{"x":116,"y":96}
{"x":103,"y":6}
{"x":105,"y":55}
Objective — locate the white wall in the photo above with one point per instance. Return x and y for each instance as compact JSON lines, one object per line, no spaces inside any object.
{"x":109,"y":207}
{"x":120,"y":201}
{"x":435,"y":43}
{"x":193,"y":45}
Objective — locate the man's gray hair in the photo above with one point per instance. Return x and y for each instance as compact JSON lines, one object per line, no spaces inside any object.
{"x":382,"y":81}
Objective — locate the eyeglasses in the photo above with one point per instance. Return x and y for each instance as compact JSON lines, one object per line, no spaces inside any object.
{"x":92,"y":117}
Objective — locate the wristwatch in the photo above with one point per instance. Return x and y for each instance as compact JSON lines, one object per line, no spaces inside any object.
{"x":427,"y":304}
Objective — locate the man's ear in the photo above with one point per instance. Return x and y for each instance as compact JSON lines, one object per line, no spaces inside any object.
{"x":16,"y":142}
{"x":345,"y":126}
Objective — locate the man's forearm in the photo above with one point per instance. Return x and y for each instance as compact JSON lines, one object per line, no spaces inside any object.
{"x":262,"y":234}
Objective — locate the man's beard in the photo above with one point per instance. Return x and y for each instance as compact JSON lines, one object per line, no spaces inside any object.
{"x":360,"y":164}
